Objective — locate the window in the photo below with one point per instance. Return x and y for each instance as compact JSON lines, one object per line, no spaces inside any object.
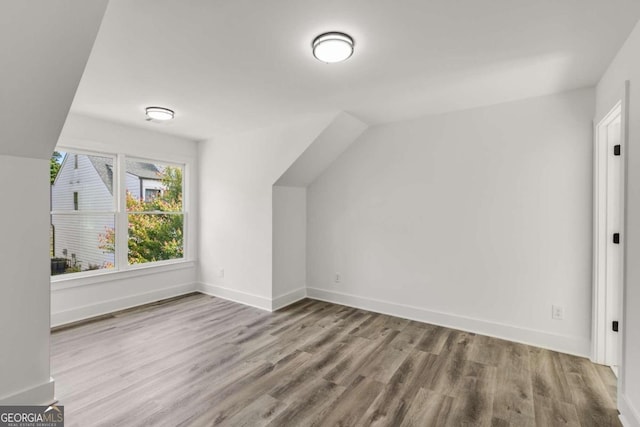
{"x":154,"y":211}
{"x":151,"y":193}
{"x":77,"y":227}
{"x":114,"y":212}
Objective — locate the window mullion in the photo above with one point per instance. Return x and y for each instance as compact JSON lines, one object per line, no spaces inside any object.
{"x":121,"y":219}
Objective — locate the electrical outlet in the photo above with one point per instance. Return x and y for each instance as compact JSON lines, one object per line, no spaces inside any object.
{"x":338,"y":277}
{"x":221,"y":272}
{"x":557,"y":312}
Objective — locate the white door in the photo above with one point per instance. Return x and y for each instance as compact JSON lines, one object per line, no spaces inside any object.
{"x":609,"y":221}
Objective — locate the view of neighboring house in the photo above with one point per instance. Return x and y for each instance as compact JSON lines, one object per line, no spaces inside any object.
{"x":84,"y":188}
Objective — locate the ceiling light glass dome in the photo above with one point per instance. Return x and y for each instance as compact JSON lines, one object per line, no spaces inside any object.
{"x":159,"y":113}
{"x":332,"y":47}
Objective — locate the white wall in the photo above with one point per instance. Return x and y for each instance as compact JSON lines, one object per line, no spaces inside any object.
{"x":56,"y":37}
{"x":236,"y":181}
{"x":478,"y":219}
{"x":626,"y":66}
{"x":78,"y":298}
{"x":289,"y":244}
{"x":24,"y":283}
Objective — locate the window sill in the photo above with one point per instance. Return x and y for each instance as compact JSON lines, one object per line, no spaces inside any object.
{"x":79,"y":279}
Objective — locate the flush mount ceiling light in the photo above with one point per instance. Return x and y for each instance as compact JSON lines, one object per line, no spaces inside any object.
{"x":332,"y":47}
{"x":159,"y":113}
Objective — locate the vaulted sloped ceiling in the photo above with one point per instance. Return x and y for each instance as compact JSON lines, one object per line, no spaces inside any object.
{"x":44,"y":47}
{"x":343,"y":130}
{"x":230,"y":66}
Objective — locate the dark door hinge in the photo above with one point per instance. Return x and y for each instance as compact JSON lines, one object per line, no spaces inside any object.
{"x":616,"y":238}
{"x":616,"y":150}
{"x":614,"y":326}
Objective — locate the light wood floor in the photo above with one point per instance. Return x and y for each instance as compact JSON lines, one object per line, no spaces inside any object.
{"x":200,"y":360}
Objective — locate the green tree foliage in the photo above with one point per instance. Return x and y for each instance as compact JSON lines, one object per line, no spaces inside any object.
{"x":55,"y":163}
{"x":153,"y":235}
{"x":172,"y":181}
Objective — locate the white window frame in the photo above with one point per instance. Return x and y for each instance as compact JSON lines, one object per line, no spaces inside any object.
{"x":122,"y":199}
{"x":121,"y":223}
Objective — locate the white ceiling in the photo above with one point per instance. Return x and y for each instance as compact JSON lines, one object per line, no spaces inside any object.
{"x":228,"y":66}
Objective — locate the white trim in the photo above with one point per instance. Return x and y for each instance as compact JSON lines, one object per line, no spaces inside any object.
{"x":599,"y":327}
{"x":562,"y":343}
{"x":75,"y":280}
{"x":599,"y":266}
{"x":600,"y":232}
{"x":629,"y":416}
{"x":289,"y":298}
{"x":246,"y":298}
{"x":41,"y":394}
{"x":625,"y":212}
{"x":98,"y":146}
{"x":117,"y":304}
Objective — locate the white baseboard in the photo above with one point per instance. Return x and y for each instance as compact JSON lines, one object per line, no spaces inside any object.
{"x":289,"y":298}
{"x":236,"y":296}
{"x":561,"y":343}
{"x":629,"y":416}
{"x":42,"y":394}
{"x":104,"y":307}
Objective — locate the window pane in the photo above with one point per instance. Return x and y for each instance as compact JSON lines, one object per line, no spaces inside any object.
{"x":82,"y":183}
{"x":153,"y":187}
{"x":155,"y":237}
{"x":84,"y":211}
{"x":82,"y":242}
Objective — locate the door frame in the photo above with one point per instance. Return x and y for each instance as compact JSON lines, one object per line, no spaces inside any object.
{"x":600,"y":236}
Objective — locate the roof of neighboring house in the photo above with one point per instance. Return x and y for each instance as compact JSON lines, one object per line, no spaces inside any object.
{"x":143,"y":170}
{"x":104,"y":167}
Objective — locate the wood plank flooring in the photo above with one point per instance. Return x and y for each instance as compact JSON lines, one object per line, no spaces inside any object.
{"x":204,"y":361}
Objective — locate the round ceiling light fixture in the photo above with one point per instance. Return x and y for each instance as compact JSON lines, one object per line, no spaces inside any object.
{"x":159,"y":113}
{"x":332,"y":47}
